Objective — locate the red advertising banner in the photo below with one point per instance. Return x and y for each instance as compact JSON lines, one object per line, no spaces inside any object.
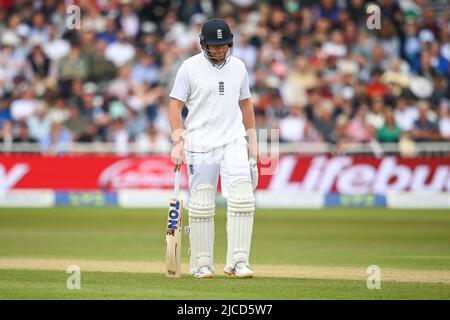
{"x":346,"y":175}
{"x":361,"y":175}
{"x":85,"y":172}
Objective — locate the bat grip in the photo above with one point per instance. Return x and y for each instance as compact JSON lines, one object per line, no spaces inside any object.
{"x":176,"y":185}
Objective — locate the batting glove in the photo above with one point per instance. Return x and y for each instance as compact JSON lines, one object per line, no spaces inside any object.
{"x":253,"y":172}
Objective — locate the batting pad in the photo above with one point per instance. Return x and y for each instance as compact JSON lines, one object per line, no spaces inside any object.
{"x":241,"y":207}
{"x":201,"y":222}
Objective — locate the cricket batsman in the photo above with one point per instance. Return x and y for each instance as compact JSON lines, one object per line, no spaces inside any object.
{"x":214,"y":86}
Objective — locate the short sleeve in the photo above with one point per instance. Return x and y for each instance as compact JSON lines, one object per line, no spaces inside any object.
{"x":245,"y":88}
{"x":181,"y":87}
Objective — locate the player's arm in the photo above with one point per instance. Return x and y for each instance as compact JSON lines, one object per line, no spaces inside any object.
{"x":176,"y":124}
{"x":248,"y":118}
{"x":178,"y":96}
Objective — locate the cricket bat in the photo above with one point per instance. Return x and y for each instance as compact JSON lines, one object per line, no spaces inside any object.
{"x":173,"y":234}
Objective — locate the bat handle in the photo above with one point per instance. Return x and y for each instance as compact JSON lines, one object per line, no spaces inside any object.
{"x":176,"y":185}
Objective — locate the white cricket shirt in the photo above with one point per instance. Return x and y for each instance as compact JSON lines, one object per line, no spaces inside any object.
{"x":212,"y":97}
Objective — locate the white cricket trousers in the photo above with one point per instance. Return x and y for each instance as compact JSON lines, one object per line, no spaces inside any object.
{"x":230,"y":161}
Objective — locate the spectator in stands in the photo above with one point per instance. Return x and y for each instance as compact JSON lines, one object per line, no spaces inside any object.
{"x":136,"y":122}
{"x":389,"y":40}
{"x":438,"y":61}
{"x":92,"y":18}
{"x":272,"y":50}
{"x":187,"y":9}
{"x":389,"y":132}
{"x":424,"y":128}
{"x":445,"y":49}
{"x":23,"y":108}
{"x":129,"y":20}
{"x":306,"y":20}
{"x":378,"y":61}
{"x":444,"y":120}
{"x":122,"y":84}
{"x":245,"y":51}
{"x":313,"y":99}
{"x":39,"y":63}
{"x":76,"y":122}
{"x":262,"y":125}
{"x":328,"y":10}
{"x":101,"y":70}
{"x":276,"y":109}
{"x":423,"y":66}
{"x":405,"y":114}
{"x":364,"y":46}
{"x":74,"y":66}
{"x":146,"y":70}
{"x":152,"y":141}
{"x":411,"y":44}
{"x":57,"y":141}
{"x":429,"y":23}
{"x":376,"y":88}
{"x":109,"y":35}
{"x":23,"y":136}
{"x":87,"y":42}
{"x":375,"y":116}
{"x":5,"y":114}
{"x":441,"y":90}
{"x":358,"y":129}
{"x":304,"y":46}
{"x":55,"y":48}
{"x":335,"y":46}
{"x":395,"y":76}
{"x":89,"y":133}
{"x":391,"y":9}
{"x":39,"y":33}
{"x":39,"y":123}
{"x":350,"y":34}
{"x":7,"y":135}
{"x":86,"y":102}
{"x":189,"y":40}
{"x":341,"y":135}
{"x":170,"y":62}
{"x":299,"y":79}
{"x":119,"y":136}
{"x":293,"y":126}
{"x":59,"y":111}
{"x":121,"y":51}
{"x":323,"y":120}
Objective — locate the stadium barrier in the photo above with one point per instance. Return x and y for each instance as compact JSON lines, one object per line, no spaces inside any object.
{"x":301,"y":148}
{"x":41,"y":198}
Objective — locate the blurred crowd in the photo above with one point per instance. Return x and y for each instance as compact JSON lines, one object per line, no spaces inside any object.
{"x":319,"y":72}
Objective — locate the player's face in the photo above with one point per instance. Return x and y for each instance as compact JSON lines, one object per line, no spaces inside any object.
{"x":218,"y":52}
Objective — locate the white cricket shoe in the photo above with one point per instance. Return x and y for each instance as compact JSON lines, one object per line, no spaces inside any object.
{"x":229,"y":271}
{"x":204,"y":272}
{"x":241,"y":270}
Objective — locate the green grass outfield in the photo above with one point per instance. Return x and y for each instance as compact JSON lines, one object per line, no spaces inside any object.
{"x":296,"y":254}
